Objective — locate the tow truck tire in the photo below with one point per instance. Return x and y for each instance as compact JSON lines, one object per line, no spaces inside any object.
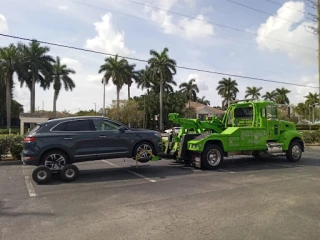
{"x":294,"y":152}
{"x":41,"y":175}
{"x":69,"y":173}
{"x":212,"y":156}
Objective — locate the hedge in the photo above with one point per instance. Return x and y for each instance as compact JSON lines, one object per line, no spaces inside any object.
{"x":307,"y":127}
{"x":12,"y":144}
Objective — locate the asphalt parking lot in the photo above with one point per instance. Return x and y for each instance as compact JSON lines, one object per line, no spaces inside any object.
{"x":245,"y":199}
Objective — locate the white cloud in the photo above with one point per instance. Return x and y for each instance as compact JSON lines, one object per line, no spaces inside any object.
{"x":286,"y":31}
{"x":192,"y":26}
{"x":4,"y":28}
{"x":200,"y":81}
{"x":186,"y":27}
{"x":63,"y":7}
{"x":298,"y":94}
{"x":71,"y":63}
{"x":108,"y":38}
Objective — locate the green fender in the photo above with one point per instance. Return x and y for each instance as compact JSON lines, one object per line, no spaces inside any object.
{"x":287,"y":136}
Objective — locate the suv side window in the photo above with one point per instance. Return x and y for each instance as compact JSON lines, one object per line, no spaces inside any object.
{"x":105,"y":125}
{"x":75,"y":126}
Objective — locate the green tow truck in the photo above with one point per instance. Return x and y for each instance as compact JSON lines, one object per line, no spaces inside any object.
{"x":248,"y":128}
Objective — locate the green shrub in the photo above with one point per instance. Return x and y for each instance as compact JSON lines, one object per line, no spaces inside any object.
{"x":311,"y":137}
{"x":12,"y":144}
{"x":307,"y":127}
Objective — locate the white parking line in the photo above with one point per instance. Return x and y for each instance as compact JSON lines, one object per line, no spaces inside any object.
{"x":31,"y":191}
{"x":129,"y":171}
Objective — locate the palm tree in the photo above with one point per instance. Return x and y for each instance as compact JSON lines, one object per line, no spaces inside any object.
{"x":282,"y":97}
{"x":58,"y":77}
{"x":270,"y":96}
{"x":302,"y":109}
{"x":162,"y":69}
{"x":9,"y":57}
{"x":115,"y":69}
{"x":203,"y":100}
{"x":144,"y":79}
{"x":228,"y":90}
{"x":37,"y":62}
{"x":190,"y":89}
{"x":253,"y":92}
{"x":311,"y":99}
{"x":132,"y":74}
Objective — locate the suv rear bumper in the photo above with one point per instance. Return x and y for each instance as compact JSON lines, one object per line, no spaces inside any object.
{"x":29,"y":159}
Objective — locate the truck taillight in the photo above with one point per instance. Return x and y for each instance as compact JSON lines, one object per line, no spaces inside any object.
{"x":29,"y":139}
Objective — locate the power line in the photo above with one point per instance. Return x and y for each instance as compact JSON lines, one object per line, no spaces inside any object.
{"x":217,"y":24}
{"x":140,"y":18}
{"x":279,"y":4}
{"x":260,"y":11}
{"x":146,"y":61}
{"x":128,"y":15}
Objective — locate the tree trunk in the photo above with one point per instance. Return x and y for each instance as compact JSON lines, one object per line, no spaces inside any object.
{"x":129,"y":91}
{"x":8,"y":101}
{"x":33,"y":93}
{"x":55,"y":104}
{"x":161,"y":104}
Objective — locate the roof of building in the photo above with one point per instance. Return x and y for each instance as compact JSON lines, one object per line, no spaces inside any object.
{"x":204,"y":109}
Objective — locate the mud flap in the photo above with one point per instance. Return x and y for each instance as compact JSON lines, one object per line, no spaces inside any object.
{"x":196,"y":160}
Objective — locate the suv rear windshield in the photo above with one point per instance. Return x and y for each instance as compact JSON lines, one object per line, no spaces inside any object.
{"x":33,"y":130}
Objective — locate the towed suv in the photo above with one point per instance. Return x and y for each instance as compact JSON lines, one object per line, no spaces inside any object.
{"x":59,"y":142}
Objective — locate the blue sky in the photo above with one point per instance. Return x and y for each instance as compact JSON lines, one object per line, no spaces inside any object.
{"x":107,"y":27}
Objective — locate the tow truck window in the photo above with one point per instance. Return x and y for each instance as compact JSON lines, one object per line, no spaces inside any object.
{"x":244,"y":112}
{"x":272,"y":112}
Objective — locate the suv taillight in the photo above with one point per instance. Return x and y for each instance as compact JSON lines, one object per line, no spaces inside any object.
{"x":29,"y":139}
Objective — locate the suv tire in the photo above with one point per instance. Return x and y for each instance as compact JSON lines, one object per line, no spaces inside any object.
{"x":54,"y":155}
{"x":139,"y":148}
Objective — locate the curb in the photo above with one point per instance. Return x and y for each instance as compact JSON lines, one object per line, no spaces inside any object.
{"x":10,"y":162}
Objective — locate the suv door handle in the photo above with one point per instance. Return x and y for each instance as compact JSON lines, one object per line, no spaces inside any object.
{"x":103,"y":136}
{"x":67,"y":138}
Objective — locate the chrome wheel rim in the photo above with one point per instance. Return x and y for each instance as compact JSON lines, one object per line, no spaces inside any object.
{"x":55,"y":161}
{"x":70,"y":173}
{"x":214,"y":157}
{"x":41,"y":175}
{"x":296,"y":152}
{"x":143,"y":151}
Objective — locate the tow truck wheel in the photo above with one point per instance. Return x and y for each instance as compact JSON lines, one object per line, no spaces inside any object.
{"x":212,"y":156}
{"x":294,"y":152}
{"x":69,"y":173}
{"x":41,"y":175}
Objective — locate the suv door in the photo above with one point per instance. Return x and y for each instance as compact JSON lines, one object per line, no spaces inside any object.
{"x":113,"y":141}
{"x":79,"y":137}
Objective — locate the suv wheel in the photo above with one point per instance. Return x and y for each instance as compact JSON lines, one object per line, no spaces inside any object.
{"x":41,"y":175}
{"x":142,"y":149}
{"x":212,"y":156}
{"x":54,"y":160}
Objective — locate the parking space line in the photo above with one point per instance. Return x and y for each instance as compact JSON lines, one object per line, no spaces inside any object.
{"x":31,"y":191}
{"x":129,"y":171}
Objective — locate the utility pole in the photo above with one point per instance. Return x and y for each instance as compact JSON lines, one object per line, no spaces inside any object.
{"x":104,"y":96}
{"x":318,"y":20}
